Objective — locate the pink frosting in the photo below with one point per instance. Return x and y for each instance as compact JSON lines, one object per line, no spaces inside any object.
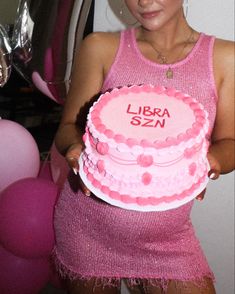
{"x":192,"y":169}
{"x":146,"y":178}
{"x":200,"y":117}
{"x":111,"y":157}
{"x":102,"y":148}
{"x":101,"y":166}
{"x":142,"y":201}
{"x":145,"y":160}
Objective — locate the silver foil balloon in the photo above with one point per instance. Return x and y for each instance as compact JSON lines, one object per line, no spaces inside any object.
{"x":5,"y":56}
{"x":45,"y":36}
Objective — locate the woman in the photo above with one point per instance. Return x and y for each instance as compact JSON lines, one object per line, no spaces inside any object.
{"x":98,"y":244}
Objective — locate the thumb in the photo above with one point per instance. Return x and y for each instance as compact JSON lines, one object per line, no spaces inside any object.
{"x":72,"y":157}
{"x":73,"y":164}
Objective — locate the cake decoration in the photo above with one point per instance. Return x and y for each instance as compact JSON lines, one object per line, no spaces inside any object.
{"x":145,"y":148}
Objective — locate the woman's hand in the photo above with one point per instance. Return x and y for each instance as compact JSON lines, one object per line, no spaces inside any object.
{"x":72,"y":156}
{"x":213,"y":173}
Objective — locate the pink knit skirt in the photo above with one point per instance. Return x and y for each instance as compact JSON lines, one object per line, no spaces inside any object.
{"x":97,"y":240}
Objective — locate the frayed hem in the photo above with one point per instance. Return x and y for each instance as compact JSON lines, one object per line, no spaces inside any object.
{"x":131,"y":282}
{"x":67,"y":273}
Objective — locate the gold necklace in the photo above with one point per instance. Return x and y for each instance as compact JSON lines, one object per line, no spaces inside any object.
{"x":163,"y":58}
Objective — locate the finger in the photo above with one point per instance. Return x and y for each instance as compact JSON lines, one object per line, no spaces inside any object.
{"x":74,"y":151}
{"x":75,"y":171}
{"x":72,"y":162}
{"x":215,"y":168}
{"x":84,"y":188}
{"x":201,"y":196}
{"x":213,"y":174}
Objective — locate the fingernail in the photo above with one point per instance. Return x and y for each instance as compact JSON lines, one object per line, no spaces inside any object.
{"x":199,"y":198}
{"x":212,"y":176}
{"x":75,"y":171}
{"x":87,"y":193}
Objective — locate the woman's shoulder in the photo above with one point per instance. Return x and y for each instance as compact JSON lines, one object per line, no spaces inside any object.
{"x":102,"y":46}
{"x":224,"y":44}
{"x":224,"y":55}
{"x":102,"y":38}
{"x":224,"y":48}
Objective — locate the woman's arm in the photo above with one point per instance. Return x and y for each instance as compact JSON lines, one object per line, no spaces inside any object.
{"x":87,"y":79}
{"x":91,"y":64}
{"x":221,"y":152}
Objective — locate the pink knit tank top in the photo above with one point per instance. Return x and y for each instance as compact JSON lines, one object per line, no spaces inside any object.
{"x":192,"y":75}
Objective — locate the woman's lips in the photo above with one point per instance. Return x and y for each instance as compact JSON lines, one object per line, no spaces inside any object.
{"x":151,"y":14}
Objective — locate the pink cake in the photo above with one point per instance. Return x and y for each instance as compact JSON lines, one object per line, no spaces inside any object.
{"x":145,"y":148}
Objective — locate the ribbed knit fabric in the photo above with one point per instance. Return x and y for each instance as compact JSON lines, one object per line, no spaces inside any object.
{"x":96,"y":239}
{"x":192,"y":75}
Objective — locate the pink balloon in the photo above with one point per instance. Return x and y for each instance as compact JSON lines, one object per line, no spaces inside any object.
{"x":22,"y":276}
{"x":59,"y":167}
{"x":19,"y":154}
{"x":26,"y":217}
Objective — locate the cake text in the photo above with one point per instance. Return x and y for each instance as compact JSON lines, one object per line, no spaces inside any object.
{"x":147,"y":116}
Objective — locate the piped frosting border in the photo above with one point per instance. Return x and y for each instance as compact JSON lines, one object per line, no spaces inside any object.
{"x":191,"y":133}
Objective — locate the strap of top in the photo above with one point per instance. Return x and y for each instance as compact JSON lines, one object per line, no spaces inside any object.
{"x":192,"y":75}
{"x":130,"y":62}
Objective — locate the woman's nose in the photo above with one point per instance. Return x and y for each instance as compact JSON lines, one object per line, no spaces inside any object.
{"x":144,"y":3}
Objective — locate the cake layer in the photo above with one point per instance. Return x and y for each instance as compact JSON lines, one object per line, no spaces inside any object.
{"x":145,"y":167}
{"x":139,"y":203}
{"x":147,"y":116}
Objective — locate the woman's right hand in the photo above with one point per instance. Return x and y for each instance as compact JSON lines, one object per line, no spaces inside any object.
{"x":72,"y":156}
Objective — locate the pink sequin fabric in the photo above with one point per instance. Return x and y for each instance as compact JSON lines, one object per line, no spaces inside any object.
{"x":96,"y":239}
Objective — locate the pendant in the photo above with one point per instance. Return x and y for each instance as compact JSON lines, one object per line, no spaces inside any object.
{"x":169,"y":73}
